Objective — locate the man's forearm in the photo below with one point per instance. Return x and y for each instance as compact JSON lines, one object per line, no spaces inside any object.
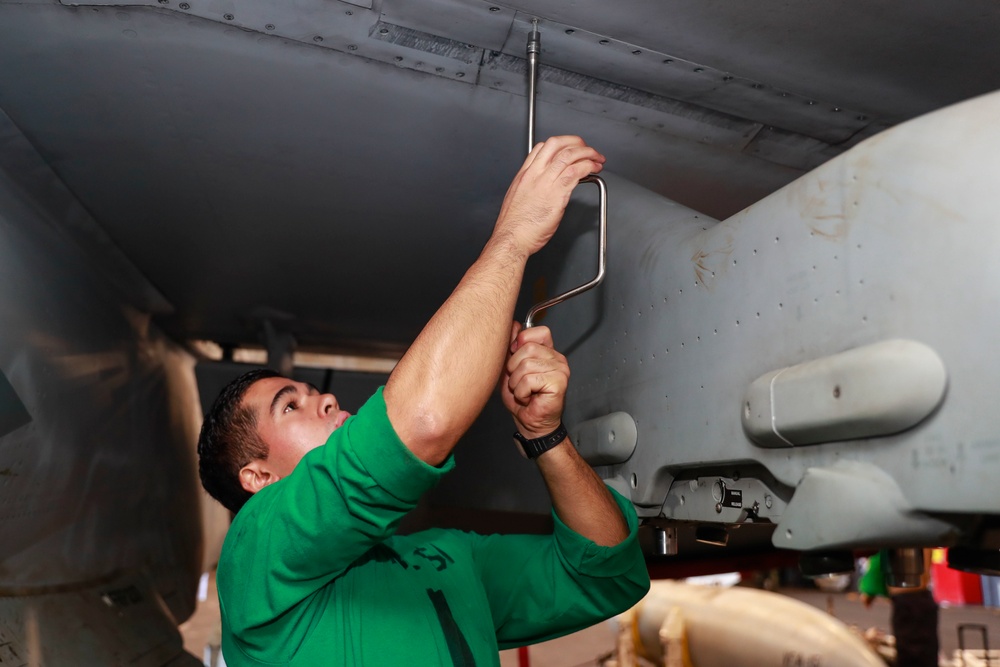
{"x":580,"y":498}
{"x":533,"y":389}
{"x":442,"y":382}
{"x":445,"y":379}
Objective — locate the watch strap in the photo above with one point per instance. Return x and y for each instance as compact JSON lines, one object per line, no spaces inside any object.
{"x":535,"y":447}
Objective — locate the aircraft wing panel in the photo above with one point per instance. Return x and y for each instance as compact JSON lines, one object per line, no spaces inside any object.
{"x":892,"y":240}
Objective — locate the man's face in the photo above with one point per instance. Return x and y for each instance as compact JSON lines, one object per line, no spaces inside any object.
{"x":293,"y":418}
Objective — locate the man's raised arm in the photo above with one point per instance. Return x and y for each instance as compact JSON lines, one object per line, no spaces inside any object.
{"x":443,"y":381}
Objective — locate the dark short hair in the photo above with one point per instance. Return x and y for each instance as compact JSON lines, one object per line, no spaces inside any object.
{"x":229,"y":440}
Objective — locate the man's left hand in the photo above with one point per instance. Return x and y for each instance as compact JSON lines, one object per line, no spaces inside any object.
{"x":533,"y":383}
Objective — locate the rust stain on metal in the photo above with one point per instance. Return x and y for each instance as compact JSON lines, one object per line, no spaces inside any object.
{"x":835,"y":233}
{"x":823,"y":209}
{"x":709,"y":264}
{"x":700,"y":269}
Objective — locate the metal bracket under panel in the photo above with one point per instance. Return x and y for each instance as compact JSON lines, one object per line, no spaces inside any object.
{"x":826,"y":511}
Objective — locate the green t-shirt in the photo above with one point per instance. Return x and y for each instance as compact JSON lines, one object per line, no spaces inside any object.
{"x":311,"y":572}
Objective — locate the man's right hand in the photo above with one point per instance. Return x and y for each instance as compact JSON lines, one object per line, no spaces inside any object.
{"x":442,"y":382}
{"x":540,"y":191}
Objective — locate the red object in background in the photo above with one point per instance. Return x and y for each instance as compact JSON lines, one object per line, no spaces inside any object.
{"x":953,"y":586}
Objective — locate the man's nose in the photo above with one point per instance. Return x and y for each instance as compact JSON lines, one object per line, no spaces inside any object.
{"x":328,"y":403}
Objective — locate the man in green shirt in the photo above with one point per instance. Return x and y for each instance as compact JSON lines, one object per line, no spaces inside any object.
{"x":914,"y":617}
{"x":312,"y":572}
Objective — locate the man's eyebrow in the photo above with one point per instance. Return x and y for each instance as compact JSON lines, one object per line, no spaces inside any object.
{"x":284,"y":391}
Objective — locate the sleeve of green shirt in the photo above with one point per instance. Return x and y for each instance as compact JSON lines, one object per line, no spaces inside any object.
{"x":544,"y":586}
{"x":301,"y":532}
{"x":873,"y":581}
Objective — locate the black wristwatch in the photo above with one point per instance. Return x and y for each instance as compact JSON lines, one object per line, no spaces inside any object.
{"x":535,"y":447}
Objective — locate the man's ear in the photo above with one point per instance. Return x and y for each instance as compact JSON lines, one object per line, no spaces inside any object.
{"x":255,"y":475}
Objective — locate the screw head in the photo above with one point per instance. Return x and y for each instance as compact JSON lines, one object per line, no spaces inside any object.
{"x":317,"y":39}
{"x":184,"y":5}
{"x":383,"y":31}
{"x":228,"y":17}
{"x":269,"y":26}
{"x":494,"y":9}
{"x":718,"y":508}
{"x":352,"y":47}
